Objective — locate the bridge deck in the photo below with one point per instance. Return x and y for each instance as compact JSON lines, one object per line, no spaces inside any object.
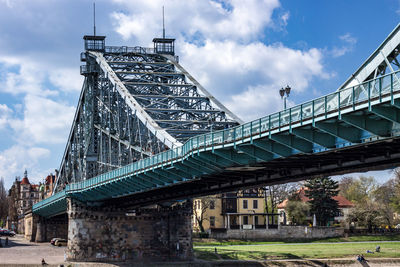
{"x":367,"y":114}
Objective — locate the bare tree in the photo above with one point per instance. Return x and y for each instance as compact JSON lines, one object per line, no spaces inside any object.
{"x":200,"y":207}
{"x":276,"y":194}
{"x":3,"y":203}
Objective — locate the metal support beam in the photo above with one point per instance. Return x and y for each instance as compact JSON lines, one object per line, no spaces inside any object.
{"x":255,"y":152}
{"x":349,"y":134}
{"x":363,"y":122}
{"x":234,"y":157}
{"x":273,"y":147}
{"x":293,"y":142}
{"x":314,"y":136}
{"x":387,"y":112}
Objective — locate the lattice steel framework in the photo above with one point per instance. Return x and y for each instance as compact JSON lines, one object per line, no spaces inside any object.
{"x":135,"y":102}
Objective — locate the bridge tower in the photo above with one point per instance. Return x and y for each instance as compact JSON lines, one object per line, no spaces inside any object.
{"x":135,"y":102}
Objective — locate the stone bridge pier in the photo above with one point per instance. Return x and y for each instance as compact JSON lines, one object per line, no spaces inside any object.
{"x":115,"y":234}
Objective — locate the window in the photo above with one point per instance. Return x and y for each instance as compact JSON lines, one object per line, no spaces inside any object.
{"x":212,"y":205}
{"x":212,"y":221}
{"x":245,"y":220}
{"x":255,"y":204}
{"x":245,"y":204}
{"x":256,"y":220}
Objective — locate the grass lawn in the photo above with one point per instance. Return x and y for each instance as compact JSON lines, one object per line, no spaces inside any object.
{"x":213,"y":242}
{"x":297,"y":251}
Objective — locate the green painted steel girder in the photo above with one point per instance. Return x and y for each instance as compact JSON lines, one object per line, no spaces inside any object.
{"x":160,"y":176}
{"x":350,"y":134}
{"x":189,"y":171}
{"x":195,"y":167}
{"x":151,"y":177}
{"x":391,"y":112}
{"x":210,"y":168}
{"x":180,"y":176}
{"x":273,"y":147}
{"x":128,"y":186}
{"x":255,"y":152}
{"x":213,"y":165}
{"x":136,"y":186}
{"x":209,"y":156}
{"x":294,"y":142}
{"x":314,"y":136}
{"x":234,"y":157}
{"x":363,"y":122}
{"x":145,"y":180}
{"x":94,"y":194}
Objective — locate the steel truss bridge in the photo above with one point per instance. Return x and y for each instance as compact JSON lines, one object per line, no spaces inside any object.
{"x":146,"y":132}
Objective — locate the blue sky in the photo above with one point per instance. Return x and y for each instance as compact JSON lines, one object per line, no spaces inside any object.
{"x":241,"y":51}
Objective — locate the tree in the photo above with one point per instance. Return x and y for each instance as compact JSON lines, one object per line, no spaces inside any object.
{"x":297,"y":211}
{"x":3,"y":202}
{"x":275,"y":194}
{"x":383,"y":196}
{"x":395,"y":200}
{"x":321,"y":191}
{"x":365,"y":214}
{"x":357,"y":190}
{"x":200,"y":207}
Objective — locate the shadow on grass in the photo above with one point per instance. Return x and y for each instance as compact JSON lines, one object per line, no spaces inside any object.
{"x":243,"y":255}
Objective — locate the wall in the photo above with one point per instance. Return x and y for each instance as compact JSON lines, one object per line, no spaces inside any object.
{"x":284,"y":232}
{"x":110,"y":234}
{"x":30,"y":222}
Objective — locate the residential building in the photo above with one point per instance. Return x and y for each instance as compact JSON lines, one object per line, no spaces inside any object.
{"x":344,"y":208}
{"x":25,"y":195}
{"x":244,"y":209}
{"x":46,"y":189}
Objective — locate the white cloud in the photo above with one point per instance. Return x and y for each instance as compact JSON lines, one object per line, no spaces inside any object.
{"x":21,"y":76}
{"x":235,"y":19}
{"x":5,"y":113}
{"x":16,"y":159}
{"x":349,"y":43}
{"x":45,"y":121}
{"x":218,"y":43}
{"x":248,"y":77}
{"x":66,"y":79}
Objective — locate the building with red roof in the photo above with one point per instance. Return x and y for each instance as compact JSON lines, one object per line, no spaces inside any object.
{"x":344,"y":205}
{"x":25,"y":195}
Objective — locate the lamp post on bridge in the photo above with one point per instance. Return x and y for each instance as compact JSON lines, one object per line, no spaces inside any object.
{"x":284,"y":93}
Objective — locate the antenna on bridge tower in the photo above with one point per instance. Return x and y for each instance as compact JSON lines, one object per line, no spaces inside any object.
{"x":163,"y":25}
{"x":94,"y":18}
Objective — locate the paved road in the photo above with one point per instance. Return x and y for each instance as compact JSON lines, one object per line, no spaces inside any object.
{"x":21,"y":251}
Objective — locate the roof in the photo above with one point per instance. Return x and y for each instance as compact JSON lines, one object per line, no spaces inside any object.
{"x":163,"y":40}
{"x":25,"y":180}
{"x":50,"y":179}
{"x":93,"y":37}
{"x":342,"y":201}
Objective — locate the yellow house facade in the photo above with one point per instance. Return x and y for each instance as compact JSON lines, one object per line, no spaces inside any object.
{"x":244,"y":209}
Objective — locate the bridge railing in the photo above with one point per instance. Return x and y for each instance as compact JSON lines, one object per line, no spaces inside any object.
{"x":370,"y":92}
{"x":323,"y":106}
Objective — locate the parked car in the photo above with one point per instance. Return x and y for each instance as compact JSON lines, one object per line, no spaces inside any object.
{"x":5,"y":232}
{"x":60,"y":242}
{"x":53,"y":240}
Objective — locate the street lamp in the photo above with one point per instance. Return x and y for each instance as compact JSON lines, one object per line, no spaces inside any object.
{"x":284,"y":93}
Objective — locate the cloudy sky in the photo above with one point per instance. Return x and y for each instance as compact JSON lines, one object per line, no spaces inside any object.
{"x":241,"y":51}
